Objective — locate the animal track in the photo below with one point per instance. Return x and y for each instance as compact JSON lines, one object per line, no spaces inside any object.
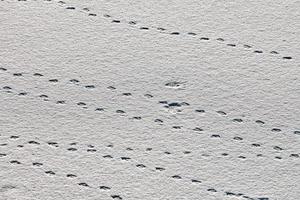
{"x":37,"y":164}
{"x":118,"y":197}
{"x":102,"y":187}
{"x":71,"y":176}
{"x":50,"y":172}
{"x":15,"y":162}
{"x":84,"y":184}
{"x":161,"y":30}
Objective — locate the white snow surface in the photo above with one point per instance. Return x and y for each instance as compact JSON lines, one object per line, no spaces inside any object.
{"x":149,"y":100}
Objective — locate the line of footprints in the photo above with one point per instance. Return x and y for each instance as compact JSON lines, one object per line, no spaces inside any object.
{"x":166,"y":104}
{"x":9,"y":90}
{"x":164,"y":30}
{"x":91,"y":148}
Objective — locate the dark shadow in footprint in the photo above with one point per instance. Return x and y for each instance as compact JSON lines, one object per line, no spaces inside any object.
{"x":52,"y":144}
{"x":198,"y":129}
{"x":140,"y":165}
{"x":74,"y":81}
{"x":174,"y":104}
{"x":160,"y":168}
{"x":72,"y":149}
{"x":259,"y":122}
{"x":70,"y":8}
{"x":37,"y":164}
{"x":132,"y":22}
{"x":237,"y":120}
{"x":43,"y":96}
{"x":158,"y":121}
{"x":277,"y":148}
{"x":116,"y":21}
{"x":177,"y":127}
{"x":71,"y":176}
{"x":148,"y":95}
{"x":126,"y":94}
{"x":53,"y":80}
{"x":287,"y":57}
{"x":99,"y":109}
{"x":231,"y":45}
{"x":89,"y":86}
{"x":81,"y":104}
{"x":17,"y":74}
{"x":33,"y":142}
{"x":120,"y":111}
{"x":83,"y":184}
{"x":7,"y":88}
{"x":144,"y":28}
{"x":15,"y":162}
{"x":174,"y":84}
{"x":274,"y":52}
{"x":204,"y":38}
{"x":196,"y":181}
{"x":22,"y":93}
{"x":215,"y":136}
{"x":276,"y":130}
{"x":175,"y":33}
{"x":163,"y":102}
{"x":221,"y":112}
{"x":125,"y":158}
{"x":238,"y":138}
{"x":258,"y":51}
{"x":292,"y":155}
{"x":161,"y":29}
{"x":176,"y":177}
{"x":118,"y":197}
{"x":191,"y":33}
{"x":111,"y":87}
{"x":212,"y":190}
{"x":38,"y":74}
{"x":60,"y":102}
{"x":50,"y":172}
{"x":102,"y":187}
{"x":297,"y":132}
{"x":107,"y":156}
